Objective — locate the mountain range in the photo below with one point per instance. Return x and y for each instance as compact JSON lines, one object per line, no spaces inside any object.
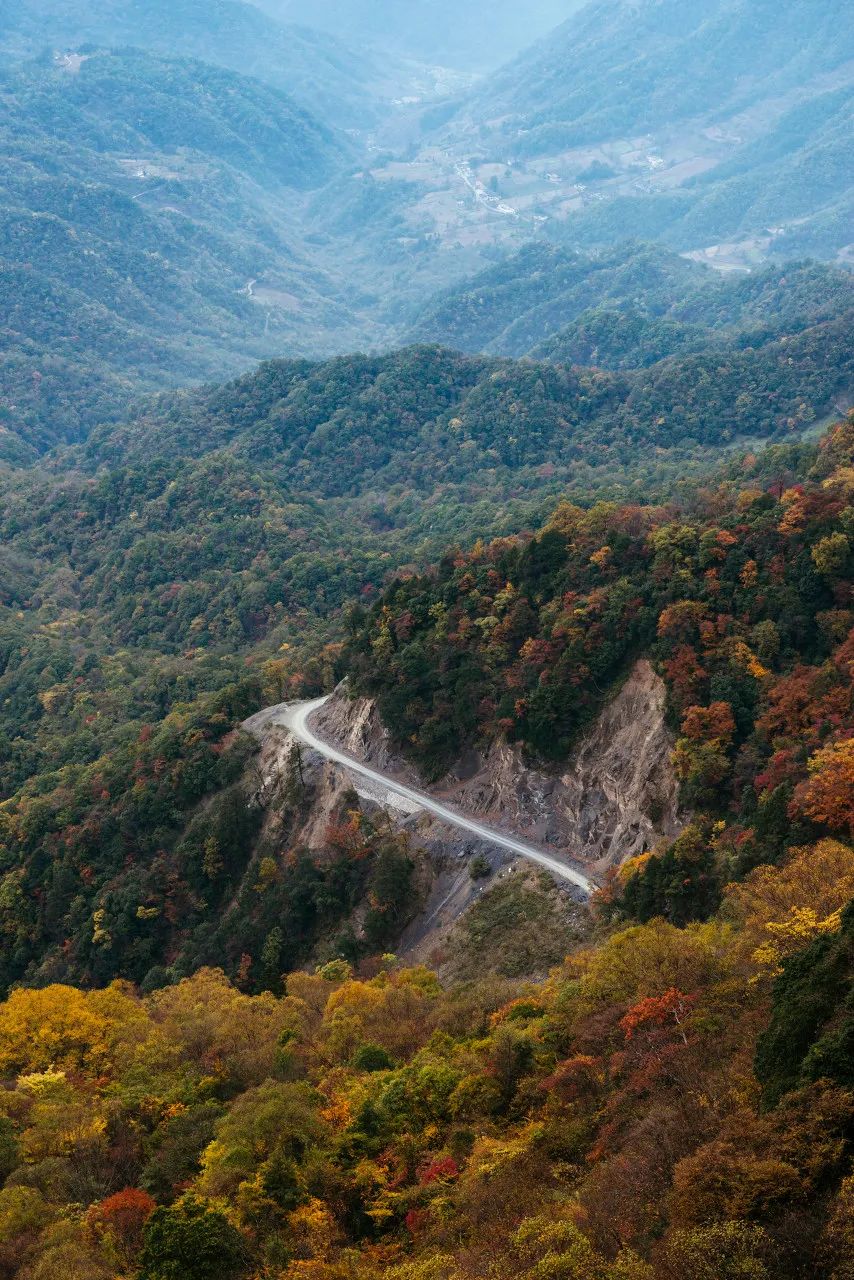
{"x":505,"y":413}
{"x":322,"y":73}
{"x":279,"y":192}
{"x":139,"y":198}
{"x":454,"y":35}
{"x":620,"y":68}
{"x":541,"y":300}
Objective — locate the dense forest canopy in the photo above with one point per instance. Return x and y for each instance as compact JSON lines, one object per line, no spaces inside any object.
{"x":621,"y":67}
{"x":780,"y":332}
{"x":675,"y":1099}
{"x":323,"y":74}
{"x":553,"y":303}
{"x":138,"y":197}
{"x":190,"y":187}
{"x":143,"y":568}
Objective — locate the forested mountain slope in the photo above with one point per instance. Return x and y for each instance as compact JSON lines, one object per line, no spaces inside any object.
{"x":138,"y":198}
{"x":595,"y":588}
{"x":141,"y":569}
{"x":544,"y":300}
{"x":121,"y":102}
{"x":190,"y":182}
{"x":633,"y":465}
{"x":785,"y":191}
{"x":738,"y":313}
{"x":321,"y":73}
{"x":620,"y":67}
{"x":510,"y":307}
{"x":674,"y":1100}
{"x":396,"y":452}
{"x":721,"y":128}
{"x":363,"y":423}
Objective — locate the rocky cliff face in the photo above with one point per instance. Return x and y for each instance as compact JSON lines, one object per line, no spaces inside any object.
{"x":443,"y":853}
{"x":616,"y":797}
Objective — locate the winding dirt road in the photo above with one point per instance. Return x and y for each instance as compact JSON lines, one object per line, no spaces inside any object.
{"x":296,"y":716}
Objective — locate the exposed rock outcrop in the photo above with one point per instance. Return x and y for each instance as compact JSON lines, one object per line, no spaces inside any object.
{"x":446,"y":851}
{"x":616,"y":797}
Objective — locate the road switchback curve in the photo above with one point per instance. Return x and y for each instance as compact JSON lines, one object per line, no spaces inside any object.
{"x":296,"y":717}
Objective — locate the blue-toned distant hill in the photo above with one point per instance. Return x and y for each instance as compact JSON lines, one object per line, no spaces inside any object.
{"x":629,"y":66}
{"x":320,"y":72}
{"x":139,"y":198}
{"x":693,"y":121}
{"x":455,"y":33}
{"x":626,"y":307}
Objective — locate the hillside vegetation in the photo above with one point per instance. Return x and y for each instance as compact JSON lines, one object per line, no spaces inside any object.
{"x":691,"y":123}
{"x":593,"y":458}
{"x":138,"y":197}
{"x":674,"y":1100}
{"x":623,"y":68}
{"x":324,"y":75}
{"x":625,"y":307}
{"x":785,"y":192}
{"x":190,"y":187}
{"x":241,"y":520}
